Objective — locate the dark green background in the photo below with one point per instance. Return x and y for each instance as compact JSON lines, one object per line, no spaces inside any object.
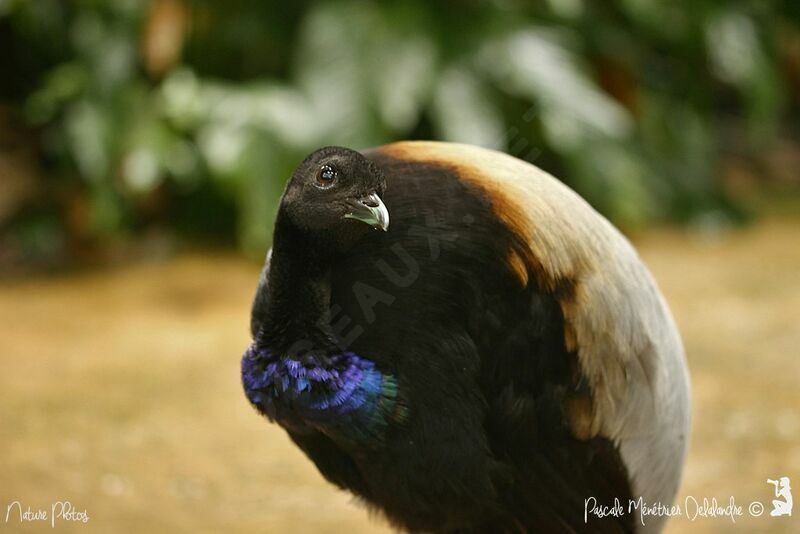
{"x":125,"y":119}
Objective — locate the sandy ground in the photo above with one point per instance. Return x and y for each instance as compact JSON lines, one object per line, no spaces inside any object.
{"x":120,"y":393}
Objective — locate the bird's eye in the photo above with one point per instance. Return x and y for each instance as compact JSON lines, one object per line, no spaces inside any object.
{"x":326,"y":176}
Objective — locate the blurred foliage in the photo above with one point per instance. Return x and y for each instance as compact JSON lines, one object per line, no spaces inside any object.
{"x":191,"y":115}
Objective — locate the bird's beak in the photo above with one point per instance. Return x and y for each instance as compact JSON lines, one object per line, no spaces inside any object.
{"x":371,"y":210}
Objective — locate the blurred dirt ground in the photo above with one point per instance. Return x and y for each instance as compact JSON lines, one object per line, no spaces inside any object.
{"x":120,"y":393}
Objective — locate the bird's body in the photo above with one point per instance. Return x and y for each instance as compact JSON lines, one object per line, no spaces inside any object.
{"x":494,"y":360}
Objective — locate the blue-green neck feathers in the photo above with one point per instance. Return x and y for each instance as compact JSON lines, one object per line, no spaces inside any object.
{"x":336,"y":392}
{"x":347,"y":397}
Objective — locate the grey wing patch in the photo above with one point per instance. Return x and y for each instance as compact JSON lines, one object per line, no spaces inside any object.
{"x":631,"y":353}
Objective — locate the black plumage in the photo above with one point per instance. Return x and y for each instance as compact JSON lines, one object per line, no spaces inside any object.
{"x":483,"y":410}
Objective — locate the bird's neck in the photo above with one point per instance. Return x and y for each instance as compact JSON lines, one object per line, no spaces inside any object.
{"x":295,"y":373}
{"x":297,"y":314}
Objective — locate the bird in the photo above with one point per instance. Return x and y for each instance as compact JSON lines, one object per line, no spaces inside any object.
{"x":462,"y":342}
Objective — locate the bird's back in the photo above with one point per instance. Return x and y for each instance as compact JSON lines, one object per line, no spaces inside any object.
{"x":528,"y":339}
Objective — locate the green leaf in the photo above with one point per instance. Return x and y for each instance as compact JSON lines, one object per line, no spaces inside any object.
{"x":463,"y":111}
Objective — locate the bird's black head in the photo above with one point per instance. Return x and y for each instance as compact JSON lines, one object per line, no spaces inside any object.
{"x":334,"y":198}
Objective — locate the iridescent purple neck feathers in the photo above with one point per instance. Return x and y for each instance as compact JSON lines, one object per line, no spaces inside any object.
{"x":348,"y":398}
